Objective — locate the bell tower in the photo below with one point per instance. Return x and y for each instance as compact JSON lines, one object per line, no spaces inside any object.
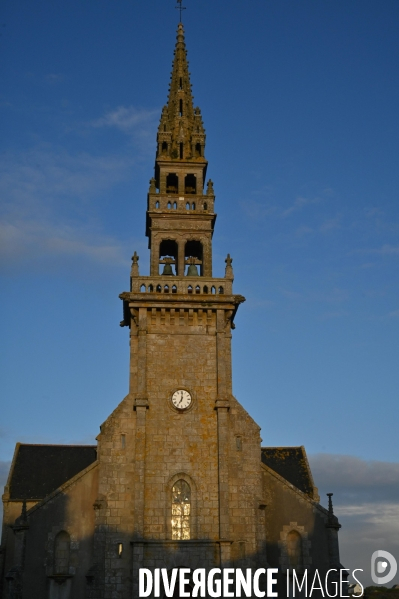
{"x":180,"y":216}
{"x":183,"y":429}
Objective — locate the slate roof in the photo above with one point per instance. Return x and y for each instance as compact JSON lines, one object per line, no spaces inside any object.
{"x":291,"y":463}
{"x":38,"y":470}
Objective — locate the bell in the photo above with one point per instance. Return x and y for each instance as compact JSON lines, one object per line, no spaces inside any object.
{"x":167,"y":269}
{"x":192,"y":271}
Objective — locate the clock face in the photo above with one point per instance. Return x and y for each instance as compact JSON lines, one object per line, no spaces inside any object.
{"x":181,"y":399}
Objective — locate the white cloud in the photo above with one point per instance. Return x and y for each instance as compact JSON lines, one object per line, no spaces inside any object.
{"x":128,"y":119}
{"x":46,"y":205}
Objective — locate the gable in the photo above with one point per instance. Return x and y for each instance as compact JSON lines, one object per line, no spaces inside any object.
{"x":40,"y":469}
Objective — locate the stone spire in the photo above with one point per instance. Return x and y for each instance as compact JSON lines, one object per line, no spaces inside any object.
{"x":181,"y":133}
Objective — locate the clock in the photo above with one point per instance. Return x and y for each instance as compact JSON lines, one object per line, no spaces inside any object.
{"x":181,"y":399}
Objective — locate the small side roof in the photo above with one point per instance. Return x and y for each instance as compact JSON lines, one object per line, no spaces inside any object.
{"x":38,"y":470}
{"x":292,"y":464}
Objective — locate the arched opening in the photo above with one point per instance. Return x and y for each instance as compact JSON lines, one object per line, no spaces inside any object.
{"x":181,"y":511}
{"x":150,"y":288}
{"x":180,"y":83}
{"x":174,"y":289}
{"x":61,"y":553}
{"x":221,"y":290}
{"x":193,"y":256}
{"x":172,"y":183}
{"x":169,"y":205}
{"x":164,"y":145}
{"x":205,"y":206}
{"x":159,"y":289}
{"x":167,"y":257}
{"x":197,"y":150}
{"x":180,"y":107}
{"x":174,"y":205}
{"x":187,"y":206}
{"x":157,"y":204}
{"x":213,"y":290}
{"x":294,"y":549}
{"x":142,"y":289}
{"x":166,"y":289}
{"x":190,"y":184}
{"x":206,"y":289}
{"x":189,"y":289}
{"x":198,"y":289}
{"x":181,"y":151}
{"x":193,"y":206}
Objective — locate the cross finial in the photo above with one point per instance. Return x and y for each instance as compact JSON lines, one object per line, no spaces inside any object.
{"x":180,"y":8}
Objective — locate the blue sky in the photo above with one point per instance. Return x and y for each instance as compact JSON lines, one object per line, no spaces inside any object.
{"x":300,"y":103}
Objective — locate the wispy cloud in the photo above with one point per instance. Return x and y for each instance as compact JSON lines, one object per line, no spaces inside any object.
{"x":299,"y":204}
{"x":385,"y":250}
{"x":365,"y":500}
{"x":128,"y":119}
{"x":257,"y":210}
{"x":46,"y":195}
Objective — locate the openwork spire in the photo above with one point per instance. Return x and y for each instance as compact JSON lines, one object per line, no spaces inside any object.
{"x":181,"y":133}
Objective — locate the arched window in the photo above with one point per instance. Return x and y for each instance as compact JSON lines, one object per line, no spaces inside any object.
{"x":169,"y":205}
{"x":151,"y":288}
{"x":221,"y":290}
{"x":174,"y":205}
{"x":198,"y":289}
{"x":205,"y":206}
{"x":205,"y":289}
{"x":187,"y":206}
{"x":174,"y":289}
{"x":294,"y":549}
{"x":172,"y":183}
{"x":193,"y":206}
{"x":181,"y":510}
{"x":156,"y":204}
{"x":61,"y":553}
{"x":159,"y":289}
{"x":166,"y":289}
{"x":142,"y":288}
{"x":190,"y":183}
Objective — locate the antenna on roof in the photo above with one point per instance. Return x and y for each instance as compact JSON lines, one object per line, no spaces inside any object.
{"x":180,"y":8}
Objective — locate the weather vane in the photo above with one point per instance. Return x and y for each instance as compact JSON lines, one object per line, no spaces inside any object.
{"x":180,"y":7}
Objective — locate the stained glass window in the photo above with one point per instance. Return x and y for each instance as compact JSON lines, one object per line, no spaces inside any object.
{"x":181,"y":508}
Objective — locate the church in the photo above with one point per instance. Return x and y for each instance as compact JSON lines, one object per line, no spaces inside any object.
{"x":178,"y":478}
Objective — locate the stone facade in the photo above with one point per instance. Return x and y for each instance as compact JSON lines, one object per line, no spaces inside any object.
{"x":171,"y":486}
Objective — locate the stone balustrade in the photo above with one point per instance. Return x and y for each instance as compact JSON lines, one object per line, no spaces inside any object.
{"x":181,"y":285}
{"x":181,"y":204}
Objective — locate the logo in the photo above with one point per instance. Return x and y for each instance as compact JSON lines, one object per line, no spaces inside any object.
{"x":380,"y":560}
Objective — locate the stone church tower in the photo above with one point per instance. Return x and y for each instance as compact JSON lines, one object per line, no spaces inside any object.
{"x":178,"y":477}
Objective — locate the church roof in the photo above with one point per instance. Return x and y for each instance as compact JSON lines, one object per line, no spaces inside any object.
{"x":40,"y":469}
{"x":291,"y":463}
